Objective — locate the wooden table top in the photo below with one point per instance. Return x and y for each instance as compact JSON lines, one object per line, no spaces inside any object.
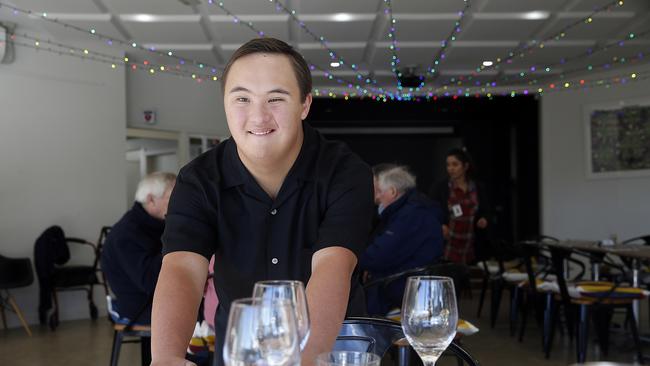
{"x":628,"y":250}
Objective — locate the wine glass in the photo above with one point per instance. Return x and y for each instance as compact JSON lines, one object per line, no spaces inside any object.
{"x":347,"y":358}
{"x":429,"y":315}
{"x":261,"y":333}
{"x":294,"y":291}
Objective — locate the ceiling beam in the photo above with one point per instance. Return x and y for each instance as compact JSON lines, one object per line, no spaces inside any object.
{"x":114,"y":19}
{"x":210,"y":31}
{"x":470,"y":19}
{"x":379,"y":26}
{"x":294,"y":30}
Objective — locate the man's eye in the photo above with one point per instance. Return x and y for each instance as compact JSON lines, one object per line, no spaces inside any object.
{"x":241,"y":99}
{"x":274,"y":100}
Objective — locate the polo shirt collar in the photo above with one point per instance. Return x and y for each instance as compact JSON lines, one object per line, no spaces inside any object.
{"x":236,"y":173}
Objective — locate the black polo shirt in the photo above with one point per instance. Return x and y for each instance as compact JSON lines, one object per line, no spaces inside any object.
{"x":218,"y":208}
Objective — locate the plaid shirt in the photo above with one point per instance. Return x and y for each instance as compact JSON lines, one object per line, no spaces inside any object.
{"x":460,"y":246}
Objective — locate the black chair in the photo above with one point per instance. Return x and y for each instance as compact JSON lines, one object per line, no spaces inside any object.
{"x":508,"y":276}
{"x":14,"y":273}
{"x":599,"y":305}
{"x":377,"y":336}
{"x":459,"y":273}
{"x":55,"y":277}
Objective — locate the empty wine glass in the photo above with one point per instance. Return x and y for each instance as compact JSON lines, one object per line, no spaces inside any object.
{"x":429,"y":315}
{"x":261,"y":333}
{"x":347,"y":358}
{"x":294,"y":291}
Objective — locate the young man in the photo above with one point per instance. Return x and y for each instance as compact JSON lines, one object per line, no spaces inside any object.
{"x":276,"y":201}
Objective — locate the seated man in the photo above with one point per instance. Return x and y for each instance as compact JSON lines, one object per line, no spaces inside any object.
{"x":132,"y":255}
{"x":408,"y":235}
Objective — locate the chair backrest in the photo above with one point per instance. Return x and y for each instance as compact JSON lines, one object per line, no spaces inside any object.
{"x":103,"y":234}
{"x":459,"y":273}
{"x":15,"y":272}
{"x":377,"y":335}
{"x":368,"y":335}
{"x":644,"y":239}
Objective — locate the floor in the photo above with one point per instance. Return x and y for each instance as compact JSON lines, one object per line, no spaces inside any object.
{"x":85,"y":342}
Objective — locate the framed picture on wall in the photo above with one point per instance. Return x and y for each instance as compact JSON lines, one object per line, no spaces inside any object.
{"x":617,"y":139}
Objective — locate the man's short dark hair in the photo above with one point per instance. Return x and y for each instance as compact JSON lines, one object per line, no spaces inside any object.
{"x":274,"y":46}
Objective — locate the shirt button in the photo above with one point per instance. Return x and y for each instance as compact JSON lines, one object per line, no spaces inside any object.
{"x":274,"y":261}
{"x":274,"y":211}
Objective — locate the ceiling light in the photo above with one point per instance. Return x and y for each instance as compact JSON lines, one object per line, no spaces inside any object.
{"x":534,"y":15}
{"x":335,"y":64}
{"x":144,"y":18}
{"x":342,"y":17}
{"x":487,"y":63}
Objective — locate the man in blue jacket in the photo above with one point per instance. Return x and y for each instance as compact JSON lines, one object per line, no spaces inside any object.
{"x":408,"y":235}
{"x":132,"y":256}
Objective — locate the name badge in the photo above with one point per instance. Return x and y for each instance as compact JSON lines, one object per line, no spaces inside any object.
{"x":456,"y":210}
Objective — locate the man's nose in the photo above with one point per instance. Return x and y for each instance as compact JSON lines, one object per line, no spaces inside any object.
{"x":260,"y":113}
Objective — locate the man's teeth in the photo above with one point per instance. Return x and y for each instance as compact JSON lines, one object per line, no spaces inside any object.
{"x":260,"y":133}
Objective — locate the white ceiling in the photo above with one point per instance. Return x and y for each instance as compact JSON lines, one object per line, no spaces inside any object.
{"x":490,"y":30}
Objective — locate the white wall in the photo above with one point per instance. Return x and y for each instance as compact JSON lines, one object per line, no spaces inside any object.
{"x":572,"y":205}
{"x":181,"y":104}
{"x":62,"y":144}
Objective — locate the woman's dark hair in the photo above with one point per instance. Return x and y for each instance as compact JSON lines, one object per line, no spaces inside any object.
{"x":463,"y":156}
{"x":278,"y":47}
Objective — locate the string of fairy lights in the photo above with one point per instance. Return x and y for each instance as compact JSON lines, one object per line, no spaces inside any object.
{"x":437,"y":58}
{"x":586,"y":54}
{"x":358,"y":89}
{"x":366,"y":86}
{"x":334,"y":56}
{"x":179,"y":68}
{"x":527,"y":49}
{"x":108,"y":40}
{"x":46,"y":45}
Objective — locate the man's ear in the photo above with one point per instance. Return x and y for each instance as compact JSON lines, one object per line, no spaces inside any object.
{"x":305,"y":106}
{"x":393,"y":191}
{"x":149,"y":199}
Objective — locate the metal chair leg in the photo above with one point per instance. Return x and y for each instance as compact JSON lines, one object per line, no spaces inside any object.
{"x":635,"y":335}
{"x":515,"y":300}
{"x":496,"y":291}
{"x":117,"y":344}
{"x":524,"y":316}
{"x":481,"y":299}
{"x":2,"y":311}
{"x":583,"y":334}
{"x":145,"y":350}
{"x":551,"y":317}
{"x":403,"y":355}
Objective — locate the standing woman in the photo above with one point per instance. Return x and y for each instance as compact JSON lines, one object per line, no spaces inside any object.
{"x":466,"y":220}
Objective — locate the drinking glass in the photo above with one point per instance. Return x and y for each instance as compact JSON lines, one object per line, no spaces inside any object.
{"x":261,"y":333}
{"x":347,"y":358}
{"x":294,"y":292}
{"x":429,"y":315}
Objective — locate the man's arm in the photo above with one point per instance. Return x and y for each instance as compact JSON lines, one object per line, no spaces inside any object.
{"x":328,"y":290}
{"x":175,"y":305}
